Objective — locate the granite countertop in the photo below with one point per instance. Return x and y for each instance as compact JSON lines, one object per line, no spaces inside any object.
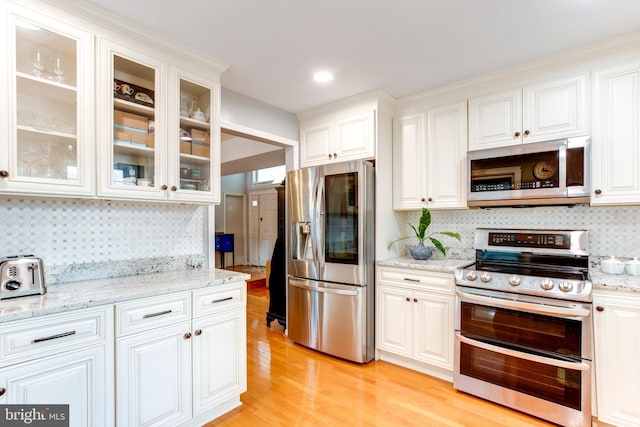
{"x":615,"y":282}
{"x":447,"y":265}
{"x":89,"y":293}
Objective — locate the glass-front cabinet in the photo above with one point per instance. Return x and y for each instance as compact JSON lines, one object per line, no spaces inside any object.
{"x":195,"y":145}
{"x":158,"y":127}
{"x":49,"y":106}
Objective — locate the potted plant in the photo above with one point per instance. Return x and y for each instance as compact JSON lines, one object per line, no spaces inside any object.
{"x":421,"y":251}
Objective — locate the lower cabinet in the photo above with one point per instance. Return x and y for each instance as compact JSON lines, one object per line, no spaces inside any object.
{"x":189,"y":365}
{"x":617,"y":352}
{"x":61,"y":359}
{"x":414,"y":315}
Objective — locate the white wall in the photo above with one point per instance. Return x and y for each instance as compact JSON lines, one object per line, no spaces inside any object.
{"x":251,"y":113}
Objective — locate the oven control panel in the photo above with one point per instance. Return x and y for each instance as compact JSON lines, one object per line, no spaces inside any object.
{"x":530,"y":240}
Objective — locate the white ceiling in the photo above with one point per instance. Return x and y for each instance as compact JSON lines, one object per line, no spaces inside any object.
{"x":402,"y":46}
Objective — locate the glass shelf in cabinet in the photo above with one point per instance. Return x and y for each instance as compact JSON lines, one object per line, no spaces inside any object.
{"x":198,"y":124}
{"x":130,"y":107}
{"x":43,"y":88}
{"x":192,"y":158}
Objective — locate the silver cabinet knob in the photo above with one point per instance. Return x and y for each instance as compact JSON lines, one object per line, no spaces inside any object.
{"x":514,"y":280}
{"x":485,"y":277}
{"x":546,"y":284}
{"x":471,"y":275}
{"x":565,"y":286}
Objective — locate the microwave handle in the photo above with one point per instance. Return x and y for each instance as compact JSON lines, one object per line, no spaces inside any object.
{"x":562,"y":167}
{"x":578,"y":366}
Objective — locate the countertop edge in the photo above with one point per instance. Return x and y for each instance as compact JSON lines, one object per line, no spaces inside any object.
{"x":71,"y":296}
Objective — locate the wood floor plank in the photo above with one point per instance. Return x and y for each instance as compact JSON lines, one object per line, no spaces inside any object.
{"x":290,"y":385}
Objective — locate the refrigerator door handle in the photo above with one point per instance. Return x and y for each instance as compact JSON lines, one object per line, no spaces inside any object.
{"x":301,"y":285}
{"x":319,"y":226}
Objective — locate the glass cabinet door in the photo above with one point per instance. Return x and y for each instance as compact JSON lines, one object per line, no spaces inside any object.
{"x":195,"y":137}
{"x":134,"y":149}
{"x":51,"y":113}
{"x":194,"y":147}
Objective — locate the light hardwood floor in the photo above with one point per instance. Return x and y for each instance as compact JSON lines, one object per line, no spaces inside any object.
{"x":290,"y":385}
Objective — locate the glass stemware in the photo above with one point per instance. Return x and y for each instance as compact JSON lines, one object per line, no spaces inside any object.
{"x":58,"y":69}
{"x":39,"y":61}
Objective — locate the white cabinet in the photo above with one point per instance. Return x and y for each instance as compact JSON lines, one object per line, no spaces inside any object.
{"x":545,"y":111}
{"x":342,"y":138}
{"x":159,"y":127}
{"x":617,"y":351}
{"x":414,"y":312}
{"x":61,"y":359}
{"x":47,"y":82}
{"x":616,"y":140}
{"x":153,"y":377}
{"x":181,"y":358}
{"x":429,"y":159}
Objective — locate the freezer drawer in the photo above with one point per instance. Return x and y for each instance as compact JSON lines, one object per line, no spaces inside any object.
{"x":332,"y":318}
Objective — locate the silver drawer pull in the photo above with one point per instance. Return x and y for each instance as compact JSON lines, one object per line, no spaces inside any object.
{"x":408,"y":279}
{"x":53,"y":337}
{"x":215,"y":301}
{"x":146,"y":316}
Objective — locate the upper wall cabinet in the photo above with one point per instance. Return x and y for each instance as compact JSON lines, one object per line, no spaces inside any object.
{"x":47,"y":122}
{"x":429,"y":159}
{"x":159,"y":128}
{"x":616,"y":139}
{"x":546,"y":111}
{"x":340,"y":138}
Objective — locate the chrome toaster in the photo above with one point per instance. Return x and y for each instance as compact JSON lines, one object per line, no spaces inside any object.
{"x":21,"y":275}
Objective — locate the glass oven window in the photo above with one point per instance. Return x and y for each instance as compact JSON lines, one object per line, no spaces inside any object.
{"x":341,"y":218}
{"x":557,"y":385}
{"x":535,"y":333}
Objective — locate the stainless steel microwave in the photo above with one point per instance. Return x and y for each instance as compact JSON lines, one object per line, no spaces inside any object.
{"x":543,"y":173}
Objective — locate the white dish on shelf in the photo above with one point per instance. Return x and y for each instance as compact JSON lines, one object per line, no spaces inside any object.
{"x":612,"y":266}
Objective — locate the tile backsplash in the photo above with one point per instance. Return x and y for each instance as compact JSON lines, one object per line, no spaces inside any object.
{"x":612,"y":230}
{"x":92,"y":238}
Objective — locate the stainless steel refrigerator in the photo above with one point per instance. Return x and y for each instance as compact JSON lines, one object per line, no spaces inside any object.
{"x":330,"y":259}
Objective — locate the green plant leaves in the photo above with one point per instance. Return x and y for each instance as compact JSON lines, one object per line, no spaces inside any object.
{"x":421,"y":230}
{"x":438,"y":245}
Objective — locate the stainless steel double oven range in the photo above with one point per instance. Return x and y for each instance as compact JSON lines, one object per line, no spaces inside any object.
{"x":524,"y":323}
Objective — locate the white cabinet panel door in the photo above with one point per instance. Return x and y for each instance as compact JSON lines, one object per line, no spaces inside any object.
{"x":76,"y":378}
{"x":554,"y":110}
{"x":447,"y":157}
{"x":616,"y":137}
{"x":617,"y":345}
{"x":433,"y":329}
{"x":409,"y":159}
{"x":495,"y":120}
{"x":219,"y":359}
{"x":394,"y":320}
{"x":315,"y":145}
{"x":153,"y":377}
{"x":355,"y":137}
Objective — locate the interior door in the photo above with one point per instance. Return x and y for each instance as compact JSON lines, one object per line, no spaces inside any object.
{"x":263,"y":227}
{"x":234,"y":223}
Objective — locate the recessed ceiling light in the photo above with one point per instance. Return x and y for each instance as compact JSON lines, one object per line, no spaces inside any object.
{"x":323,"y":76}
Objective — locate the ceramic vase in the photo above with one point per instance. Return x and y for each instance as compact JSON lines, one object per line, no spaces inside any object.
{"x":420,"y":251}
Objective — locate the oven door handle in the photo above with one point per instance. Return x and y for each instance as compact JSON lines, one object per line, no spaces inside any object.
{"x":581,"y":366}
{"x":525,"y":306}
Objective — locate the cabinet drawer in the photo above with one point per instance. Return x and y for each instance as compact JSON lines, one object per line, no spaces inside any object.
{"x":433,"y":281}
{"x":149,"y":313}
{"x":219,"y":298}
{"x":28,"y":339}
